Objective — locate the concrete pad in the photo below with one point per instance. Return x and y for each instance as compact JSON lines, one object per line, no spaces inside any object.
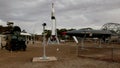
{"x":41,"y":59}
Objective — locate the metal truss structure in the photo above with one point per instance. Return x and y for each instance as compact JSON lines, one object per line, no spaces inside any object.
{"x":113,"y":27}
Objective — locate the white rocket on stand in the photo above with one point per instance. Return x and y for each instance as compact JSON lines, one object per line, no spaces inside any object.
{"x":53,"y":19}
{"x":53,"y":38}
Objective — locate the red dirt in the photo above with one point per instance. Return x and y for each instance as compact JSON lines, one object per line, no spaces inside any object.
{"x":67,"y":58}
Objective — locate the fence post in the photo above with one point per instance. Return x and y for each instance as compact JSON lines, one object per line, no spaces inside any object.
{"x":112,"y":55}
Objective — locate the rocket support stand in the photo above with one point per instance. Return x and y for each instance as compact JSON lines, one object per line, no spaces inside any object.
{"x":53,"y":41}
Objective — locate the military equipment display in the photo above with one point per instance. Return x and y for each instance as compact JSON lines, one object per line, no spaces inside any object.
{"x":14,"y":41}
{"x":90,"y":33}
{"x":53,"y":39}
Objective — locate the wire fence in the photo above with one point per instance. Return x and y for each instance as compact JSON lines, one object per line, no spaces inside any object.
{"x":100,"y":53}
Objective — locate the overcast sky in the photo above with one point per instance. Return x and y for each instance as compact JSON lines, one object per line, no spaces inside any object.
{"x":30,"y":14}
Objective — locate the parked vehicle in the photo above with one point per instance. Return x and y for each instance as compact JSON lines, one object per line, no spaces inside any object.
{"x":14,"y":41}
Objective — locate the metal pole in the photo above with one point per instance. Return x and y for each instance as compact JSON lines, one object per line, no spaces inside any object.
{"x":0,"y":41}
{"x":44,"y":42}
{"x":82,"y":43}
{"x":112,"y":54}
{"x":100,"y":43}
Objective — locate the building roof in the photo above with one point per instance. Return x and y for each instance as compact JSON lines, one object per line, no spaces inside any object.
{"x":5,"y":29}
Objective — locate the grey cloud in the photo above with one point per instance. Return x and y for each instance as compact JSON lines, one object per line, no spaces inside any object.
{"x":83,"y":6}
{"x":23,"y":10}
{"x":69,"y":13}
{"x":94,"y":9}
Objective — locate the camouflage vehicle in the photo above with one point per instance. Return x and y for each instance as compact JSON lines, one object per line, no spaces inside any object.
{"x":14,"y":41}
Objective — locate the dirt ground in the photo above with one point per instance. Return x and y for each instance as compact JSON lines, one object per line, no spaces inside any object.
{"x":66,"y":55}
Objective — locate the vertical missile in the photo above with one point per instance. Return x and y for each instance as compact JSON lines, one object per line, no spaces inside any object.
{"x":53,"y":38}
{"x":53,"y":19}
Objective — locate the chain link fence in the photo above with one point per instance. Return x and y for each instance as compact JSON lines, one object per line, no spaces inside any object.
{"x":99,"y":53}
